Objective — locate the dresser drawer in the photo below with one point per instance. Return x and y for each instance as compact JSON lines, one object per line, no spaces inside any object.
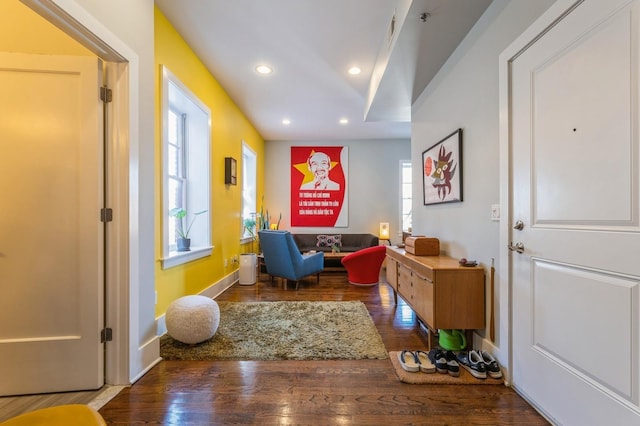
{"x":392,"y":273}
{"x":423,"y":272}
{"x":405,"y":284}
{"x":404,"y":276}
{"x":423,"y":290}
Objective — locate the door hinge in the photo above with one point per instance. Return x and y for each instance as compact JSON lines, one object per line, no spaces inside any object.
{"x":106,"y":215}
{"x":106,"y":94}
{"x":106,"y":335}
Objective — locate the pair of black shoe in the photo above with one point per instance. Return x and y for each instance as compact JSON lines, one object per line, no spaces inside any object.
{"x":471,"y":362}
{"x":479,"y":364}
{"x":445,"y":362}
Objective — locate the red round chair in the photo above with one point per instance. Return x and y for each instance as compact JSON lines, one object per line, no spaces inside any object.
{"x":363,"y":266}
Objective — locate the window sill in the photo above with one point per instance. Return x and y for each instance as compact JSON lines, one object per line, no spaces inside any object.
{"x":176,"y":258}
{"x":247,"y":240}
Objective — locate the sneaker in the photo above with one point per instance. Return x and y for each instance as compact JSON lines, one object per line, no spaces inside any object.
{"x":439,"y":360}
{"x":472,"y":362}
{"x":453,"y":368}
{"x":426,"y":366}
{"x":491,"y":365}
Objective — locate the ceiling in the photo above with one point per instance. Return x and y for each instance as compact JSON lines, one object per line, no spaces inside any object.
{"x":310,"y":44}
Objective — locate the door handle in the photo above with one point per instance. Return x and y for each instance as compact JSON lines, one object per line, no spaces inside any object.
{"x":519,"y":247}
{"x":519,"y":225}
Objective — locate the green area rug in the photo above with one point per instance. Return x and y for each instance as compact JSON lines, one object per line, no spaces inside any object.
{"x":285,"y":331}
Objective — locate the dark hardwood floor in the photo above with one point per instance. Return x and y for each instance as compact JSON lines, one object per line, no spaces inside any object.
{"x":363,"y":392}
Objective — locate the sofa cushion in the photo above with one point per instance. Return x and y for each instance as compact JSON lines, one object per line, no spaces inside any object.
{"x":329,"y":240}
{"x":350,"y":242}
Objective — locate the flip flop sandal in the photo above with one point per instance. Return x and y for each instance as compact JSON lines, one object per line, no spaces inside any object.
{"x":409,"y":361}
{"x":426,"y":366}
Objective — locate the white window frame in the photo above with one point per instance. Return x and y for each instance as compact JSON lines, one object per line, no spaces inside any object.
{"x":403,"y":197}
{"x":249,"y":188}
{"x":197,"y":164}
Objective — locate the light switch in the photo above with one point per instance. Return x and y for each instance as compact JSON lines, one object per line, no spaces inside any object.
{"x":495,"y":212}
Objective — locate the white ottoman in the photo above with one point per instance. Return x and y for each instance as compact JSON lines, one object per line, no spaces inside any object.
{"x":192,"y":319}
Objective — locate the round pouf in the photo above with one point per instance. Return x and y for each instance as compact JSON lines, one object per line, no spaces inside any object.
{"x":192,"y":319}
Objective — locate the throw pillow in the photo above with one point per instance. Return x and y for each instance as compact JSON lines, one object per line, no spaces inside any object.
{"x":329,"y":240}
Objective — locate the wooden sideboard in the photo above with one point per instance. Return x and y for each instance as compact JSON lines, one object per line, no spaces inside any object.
{"x":443,"y":294}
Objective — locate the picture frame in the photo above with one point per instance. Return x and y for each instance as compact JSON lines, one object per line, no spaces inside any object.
{"x":230,"y":171}
{"x":442,"y":170}
{"x":319,"y":186}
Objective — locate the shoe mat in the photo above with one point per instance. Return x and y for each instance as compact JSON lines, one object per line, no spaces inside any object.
{"x":420,"y":378}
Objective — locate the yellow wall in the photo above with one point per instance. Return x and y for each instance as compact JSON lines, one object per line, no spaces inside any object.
{"x":229,"y":127}
{"x":24,"y":31}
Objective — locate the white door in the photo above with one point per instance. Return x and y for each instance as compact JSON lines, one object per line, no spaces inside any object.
{"x":51,"y":236}
{"x":576,"y":285}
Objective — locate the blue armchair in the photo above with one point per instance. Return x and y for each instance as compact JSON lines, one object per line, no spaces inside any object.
{"x":283,"y":258}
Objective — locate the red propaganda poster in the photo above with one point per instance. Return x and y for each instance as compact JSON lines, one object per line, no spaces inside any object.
{"x":319,"y":186}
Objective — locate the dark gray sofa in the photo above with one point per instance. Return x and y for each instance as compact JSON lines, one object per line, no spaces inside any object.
{"x":350,"y":243}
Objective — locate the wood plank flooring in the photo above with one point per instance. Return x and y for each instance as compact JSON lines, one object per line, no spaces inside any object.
{"x":364,"y":392}
{"x":11,"y":406}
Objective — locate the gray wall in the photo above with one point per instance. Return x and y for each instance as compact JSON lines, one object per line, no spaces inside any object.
{"x":373,"y":185}
{"x":464,"y":95}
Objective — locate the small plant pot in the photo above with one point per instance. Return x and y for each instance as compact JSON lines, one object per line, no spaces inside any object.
{"x":184,"y":244}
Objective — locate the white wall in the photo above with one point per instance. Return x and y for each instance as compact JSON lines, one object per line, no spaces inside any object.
{"x":128,"y":26}
{"x":464,"y":95}
{"x":374,"y":183}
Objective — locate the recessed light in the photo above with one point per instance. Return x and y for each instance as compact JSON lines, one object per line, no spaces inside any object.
{"x":344,"y":121}
{"x":354,"y":71}
{"x":264,"y":69}
{"x":286,"y":121}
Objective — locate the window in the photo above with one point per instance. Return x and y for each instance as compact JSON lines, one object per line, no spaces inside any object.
{"x":186,"y":139}
{"x":249,"y":191}
{"x":176,"y":167}
{"x":405,"y":195}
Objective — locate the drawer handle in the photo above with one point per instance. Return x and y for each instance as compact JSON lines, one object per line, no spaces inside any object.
{"x":423,"y":278}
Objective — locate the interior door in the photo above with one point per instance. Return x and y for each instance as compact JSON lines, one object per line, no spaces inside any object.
{"x":576,"y":292}
{"x":51,"y":236}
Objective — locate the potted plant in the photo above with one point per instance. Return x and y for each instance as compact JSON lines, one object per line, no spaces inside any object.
{"x":183,"y":241}
{"x":250,"y":226}
{"x":263,"y":220}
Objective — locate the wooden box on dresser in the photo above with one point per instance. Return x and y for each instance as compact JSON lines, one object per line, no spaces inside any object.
{"x":443,"y":294}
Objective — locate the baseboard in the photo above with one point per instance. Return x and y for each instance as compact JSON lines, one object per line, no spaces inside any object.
{"x":213,"y":291}
{"x":148,"y":355}
{"x":146,"y":369}
{"x":216,"y":289}
{"x":487,"y":345}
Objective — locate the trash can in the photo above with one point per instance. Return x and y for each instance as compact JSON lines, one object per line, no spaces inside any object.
{"x":247,"y":269}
